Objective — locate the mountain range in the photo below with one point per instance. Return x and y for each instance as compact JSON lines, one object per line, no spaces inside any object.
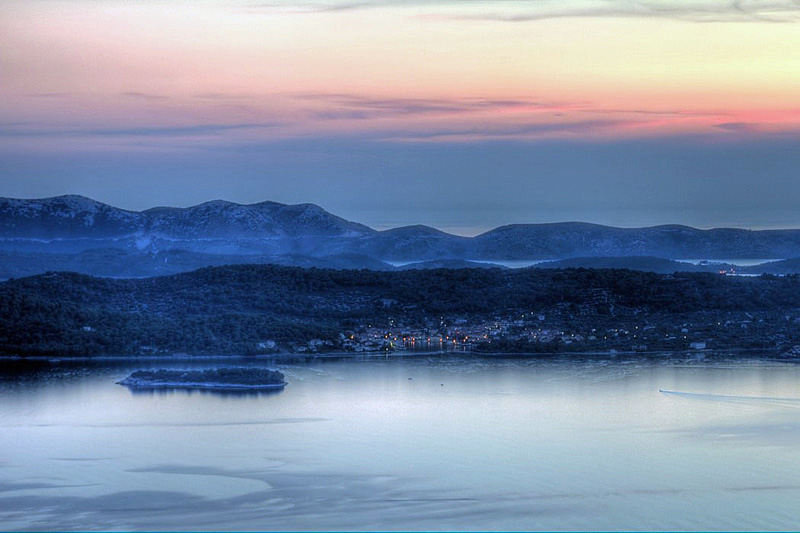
{"x":80,"y":234}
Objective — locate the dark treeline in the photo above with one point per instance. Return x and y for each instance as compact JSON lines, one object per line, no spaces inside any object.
{"x":225,"y":310}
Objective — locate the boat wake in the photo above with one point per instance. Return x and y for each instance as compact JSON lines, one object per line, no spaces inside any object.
{"x":794,"y":402}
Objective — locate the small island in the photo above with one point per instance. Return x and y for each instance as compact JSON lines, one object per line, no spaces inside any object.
{"x":219,"y":379}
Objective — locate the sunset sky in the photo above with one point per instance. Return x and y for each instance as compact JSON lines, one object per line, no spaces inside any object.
{"x":463,"y":115}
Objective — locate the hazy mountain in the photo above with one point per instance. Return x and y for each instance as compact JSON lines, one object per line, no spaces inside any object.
{"x":81,"y":232}
{"x":65,"y":217}
{"x":75,"y":223}
{"x":226,"y":220}
{"x":785,"y":266}
{"x":413,"y":243}
{"x":573,"y":239}
{"x":117,"y":263}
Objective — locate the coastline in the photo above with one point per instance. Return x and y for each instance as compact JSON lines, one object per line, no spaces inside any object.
{"x":397,"y":354}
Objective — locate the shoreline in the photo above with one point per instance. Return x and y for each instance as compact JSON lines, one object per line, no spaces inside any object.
{"x":397,"y":354}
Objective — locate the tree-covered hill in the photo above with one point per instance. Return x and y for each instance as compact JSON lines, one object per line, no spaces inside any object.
{"x":240,"y":309}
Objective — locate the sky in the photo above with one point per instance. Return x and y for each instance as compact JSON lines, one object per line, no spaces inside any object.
{"x":463,"y":115}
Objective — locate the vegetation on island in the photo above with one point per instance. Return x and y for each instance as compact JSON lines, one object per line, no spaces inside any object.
{"x":213,"y":378}
{"x":251,"y":309}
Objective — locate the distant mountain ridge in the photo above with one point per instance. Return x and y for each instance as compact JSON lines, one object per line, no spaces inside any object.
{"x":71,"y":224}
{"x":75,"y":216}
{"x":578,"y":239}
{"x":220,"y":231}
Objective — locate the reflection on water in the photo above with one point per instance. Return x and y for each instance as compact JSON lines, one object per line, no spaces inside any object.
{"x":441,"y":442}
{"x":167,"y":391}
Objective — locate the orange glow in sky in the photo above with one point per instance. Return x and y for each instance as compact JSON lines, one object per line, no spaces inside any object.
{"x":399,"y":71}
{"x":487,"y":111}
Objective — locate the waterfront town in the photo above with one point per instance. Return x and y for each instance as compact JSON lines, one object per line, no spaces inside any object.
{"x":565,"y":329}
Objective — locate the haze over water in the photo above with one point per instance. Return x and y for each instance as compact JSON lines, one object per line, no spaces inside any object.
{"x":417,"y":443}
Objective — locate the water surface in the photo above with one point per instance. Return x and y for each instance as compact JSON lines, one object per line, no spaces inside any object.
{"x":428,"y":443}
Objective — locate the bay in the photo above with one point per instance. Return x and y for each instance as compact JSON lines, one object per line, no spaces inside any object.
{"x":444,"y":442}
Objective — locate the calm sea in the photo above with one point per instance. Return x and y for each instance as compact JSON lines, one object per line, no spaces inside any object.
{"x":432,"y":443}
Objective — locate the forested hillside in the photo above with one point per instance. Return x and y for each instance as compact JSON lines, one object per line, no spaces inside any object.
{"x":240,"y":309}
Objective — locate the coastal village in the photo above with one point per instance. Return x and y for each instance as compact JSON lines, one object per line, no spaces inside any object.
{"x":567,"y":329}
